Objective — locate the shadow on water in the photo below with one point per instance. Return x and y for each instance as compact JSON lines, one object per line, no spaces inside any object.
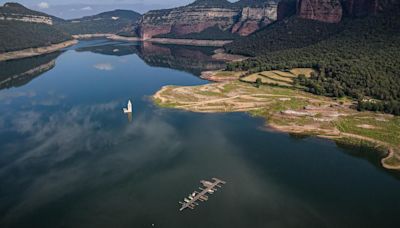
{"x":371,"y":155}
{"x":363,"y":151}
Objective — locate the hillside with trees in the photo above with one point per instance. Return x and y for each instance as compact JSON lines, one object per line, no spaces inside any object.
{"x":18,"y":35}
{"x":359,"y":58}
{"x":107,"y":22}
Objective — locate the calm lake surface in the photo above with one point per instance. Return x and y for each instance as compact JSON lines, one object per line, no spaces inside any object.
{"x":69,"y":157}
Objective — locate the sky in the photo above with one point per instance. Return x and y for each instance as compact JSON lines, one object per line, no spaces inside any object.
{"x":68,"y":9}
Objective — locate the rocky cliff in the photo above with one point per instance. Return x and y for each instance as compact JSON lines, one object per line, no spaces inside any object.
{"x":254,"y":18}
{"x":243,"y":17}
{"x":330,"y":11}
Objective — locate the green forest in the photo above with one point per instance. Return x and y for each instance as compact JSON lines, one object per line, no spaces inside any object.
{"x":359,"y":58}
{"x":17,"y":35}
{"x":100,"y":23}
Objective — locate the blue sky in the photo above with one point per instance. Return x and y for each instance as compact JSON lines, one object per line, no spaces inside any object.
{"x":77,"y":8}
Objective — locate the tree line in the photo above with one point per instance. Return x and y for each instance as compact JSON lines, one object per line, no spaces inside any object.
{"x":359,"y":58}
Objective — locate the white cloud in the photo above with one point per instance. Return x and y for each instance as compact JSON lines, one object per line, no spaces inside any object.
{"x":87,"y":8}
{"x":44,"y":5}
{"x":104,"y":66}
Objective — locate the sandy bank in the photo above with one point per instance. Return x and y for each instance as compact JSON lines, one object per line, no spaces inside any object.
{"x":289,"y":110}
{"x":190,"y":42}
{"x":35,"y":51}
{"x":91,"y":36}
{"x":221,"y":55}
{"x":221,"y":76}
{"x":209,"y":43}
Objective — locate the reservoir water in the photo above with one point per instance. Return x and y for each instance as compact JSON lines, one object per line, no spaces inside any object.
{"x":69,"y":156}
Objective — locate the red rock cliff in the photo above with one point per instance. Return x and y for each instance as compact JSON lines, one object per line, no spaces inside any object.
{"x":243,"y":18}
{"x":329,"y":11}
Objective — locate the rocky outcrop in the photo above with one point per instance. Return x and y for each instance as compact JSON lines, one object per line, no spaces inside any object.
{"x":252,"y":19}
{"x":332,"y":11}
{"x":184,"y":20}
{"x":321,"y":10}
{"x":203,"y":14}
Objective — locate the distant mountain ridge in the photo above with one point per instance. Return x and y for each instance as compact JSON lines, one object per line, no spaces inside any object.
{"x":22,"y":28}
{"x":107,"y":22}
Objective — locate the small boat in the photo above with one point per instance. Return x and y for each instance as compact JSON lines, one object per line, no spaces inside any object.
{"x":186,"y":200}
{"x":193,"y":194}
{"x":190,"y":197}
{"x":210,"y":191}
{"x":128,"y":109}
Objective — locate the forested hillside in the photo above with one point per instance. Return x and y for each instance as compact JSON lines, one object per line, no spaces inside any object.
{"x":22,"y":28}
{"x":358,"y":58}
{"x":107,"y":22}
{"x":290,"y":33}
{"x":16,"y":35}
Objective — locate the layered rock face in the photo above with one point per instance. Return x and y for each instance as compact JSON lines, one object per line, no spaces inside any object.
{"x":329,"y":11}
{"x":252,"y":19}
{"x":17,"y":12}
{"x":201,"y":15}
{"x":184,"y":20}
{"x":332,"y":11}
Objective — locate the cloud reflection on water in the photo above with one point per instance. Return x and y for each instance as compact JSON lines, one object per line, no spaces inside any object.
{"x":104,"y":66}
{"x":73,"y":151}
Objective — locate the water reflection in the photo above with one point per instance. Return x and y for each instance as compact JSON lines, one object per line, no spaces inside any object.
{"x":70,"y":158}
{"x":193,"y":60}
{"x":20,"y":72}
{"x":115,"y":49}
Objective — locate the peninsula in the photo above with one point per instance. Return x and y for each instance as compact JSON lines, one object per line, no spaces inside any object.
{"x":275,"y":96}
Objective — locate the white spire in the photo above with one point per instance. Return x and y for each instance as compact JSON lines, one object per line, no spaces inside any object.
{"x":128,"y":109}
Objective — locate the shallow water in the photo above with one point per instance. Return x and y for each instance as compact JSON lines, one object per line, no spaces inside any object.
{"x":69,"y":157}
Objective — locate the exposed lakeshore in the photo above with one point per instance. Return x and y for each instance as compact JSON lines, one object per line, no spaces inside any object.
{"x":30,"y":52}
{"x":289,"y":109}
{"x":189,"y":42}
